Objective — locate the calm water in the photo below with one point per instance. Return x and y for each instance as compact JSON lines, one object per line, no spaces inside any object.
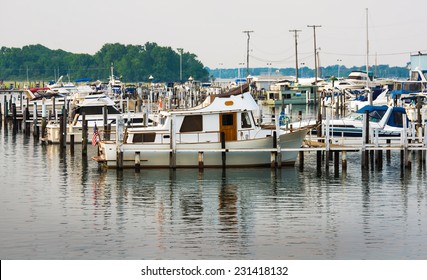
{"x":55,"y":206}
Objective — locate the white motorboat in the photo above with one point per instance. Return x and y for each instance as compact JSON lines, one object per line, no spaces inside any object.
{"x":221,"y":131}
{"x":92,"y":108}
{"x":386,"y":121}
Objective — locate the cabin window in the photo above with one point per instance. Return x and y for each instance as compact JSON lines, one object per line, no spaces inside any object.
{"x":398,"y":119}
{"x":144,"y":137}
{"x":192,"y":124}
{"x":227,"y":119}
{"x":287,"y":96}
{"x":246,"y":121}
{"x":96,"y":110}
{"x":376,"y":116}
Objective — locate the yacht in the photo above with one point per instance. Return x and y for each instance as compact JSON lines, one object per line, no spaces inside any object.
{"x":221,"y":131}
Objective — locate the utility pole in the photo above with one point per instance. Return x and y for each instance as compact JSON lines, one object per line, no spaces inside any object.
{"x":315,"y":52}
{"x":180,"y":63}
{"x":296,"y":53}
{"x":247,"y":52}
{"x":319,"y":112}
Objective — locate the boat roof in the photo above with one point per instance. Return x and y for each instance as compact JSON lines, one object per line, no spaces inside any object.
{"x":237,"y":99}
{"x":371,"y":108}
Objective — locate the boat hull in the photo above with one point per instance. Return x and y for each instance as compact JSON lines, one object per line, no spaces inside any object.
{"x":247,"y":153}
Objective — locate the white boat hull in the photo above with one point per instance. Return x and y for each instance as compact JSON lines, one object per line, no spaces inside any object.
{"x":256,"y":152}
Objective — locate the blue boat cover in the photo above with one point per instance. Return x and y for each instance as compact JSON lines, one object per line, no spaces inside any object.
{"x":372,"y":108}
{"x":83,"y":80}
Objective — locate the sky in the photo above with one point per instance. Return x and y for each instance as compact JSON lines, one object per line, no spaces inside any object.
{"x":213,"y":30}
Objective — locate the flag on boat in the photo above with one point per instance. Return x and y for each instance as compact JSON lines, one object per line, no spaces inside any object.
{"x":95,"y":135}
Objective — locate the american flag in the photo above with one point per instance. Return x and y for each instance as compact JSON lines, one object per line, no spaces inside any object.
{"x":95,"y":136}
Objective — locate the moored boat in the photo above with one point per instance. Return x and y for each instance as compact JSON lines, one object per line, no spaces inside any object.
{"x":220,"y":132}
{"x":92,"y":108}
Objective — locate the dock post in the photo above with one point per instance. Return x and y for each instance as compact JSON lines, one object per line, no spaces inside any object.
{"x":119,"y":141}
{"x":1,"y":119}
{"x":53,"y":108}
{"x":273,"y":155}
{"x":172,"y":154}
{"x":84,"y":134}
{"x":21,"y":96}
{"x":365,"y":152}
{"x":223,"y":154}
{"x":14,"y":119}
{"x":301,"y":160}
{"x":327,"y":144}
{"x":27,"y":120}
{"x":44,"y":118}
{"x":6,"y":110}
{"x":388,"y":151}
{"x":35,"y":127}
{"x":200,"y":160}
{"x":105,"y":118}
{"x":337,"y":163}
{"x":337,"y":105}
{"x":420,"y":141}
{"x":342,"y":104}
{"x":137,"y":161}
{"x":65,"y":120}
{"x":61,"y":132}
{"x":344,"y":162}
{"x":119,"y":159}
{"x":72,"y":144}
{"x":406,"y":159}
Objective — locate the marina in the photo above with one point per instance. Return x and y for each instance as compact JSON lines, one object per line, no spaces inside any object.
{"x":213,"y":141}
{"x":260,"y":168}
{"x":357,"y":193}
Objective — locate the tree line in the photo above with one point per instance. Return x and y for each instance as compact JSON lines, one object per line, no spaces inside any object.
{"x":136,"y":63}
{"x":133,"y":63}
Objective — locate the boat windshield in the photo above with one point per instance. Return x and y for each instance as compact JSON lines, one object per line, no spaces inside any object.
{"x":374,"y":116}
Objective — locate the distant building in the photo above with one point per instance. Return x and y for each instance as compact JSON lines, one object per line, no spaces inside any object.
{"x":419,"y":61}
{"x":264,"y":82}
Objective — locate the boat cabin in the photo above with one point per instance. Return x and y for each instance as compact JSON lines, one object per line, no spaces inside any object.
{"x":228,"y":117}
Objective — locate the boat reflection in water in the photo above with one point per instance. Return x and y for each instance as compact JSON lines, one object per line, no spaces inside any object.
{"x":67,"y":207}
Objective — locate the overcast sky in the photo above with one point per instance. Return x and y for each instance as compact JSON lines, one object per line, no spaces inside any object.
{"x":213,"y":30}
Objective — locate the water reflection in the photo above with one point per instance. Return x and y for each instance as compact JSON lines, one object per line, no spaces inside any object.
{"x":68,"y":207}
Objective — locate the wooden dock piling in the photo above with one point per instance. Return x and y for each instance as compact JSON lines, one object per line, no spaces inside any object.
{"x":336,"y":163}
{"x":72,"y":144}
{"x":344,"y":162}
{"x":200,"y":158}
{"x":223,"y":154}
{"x":35,"y":127}
{"x":84,"y":134}
{"x":44,"y":119}
{"x":137,"y":161}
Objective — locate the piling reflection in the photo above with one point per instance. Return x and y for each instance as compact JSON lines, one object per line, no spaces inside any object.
{"x":258,"y":213}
